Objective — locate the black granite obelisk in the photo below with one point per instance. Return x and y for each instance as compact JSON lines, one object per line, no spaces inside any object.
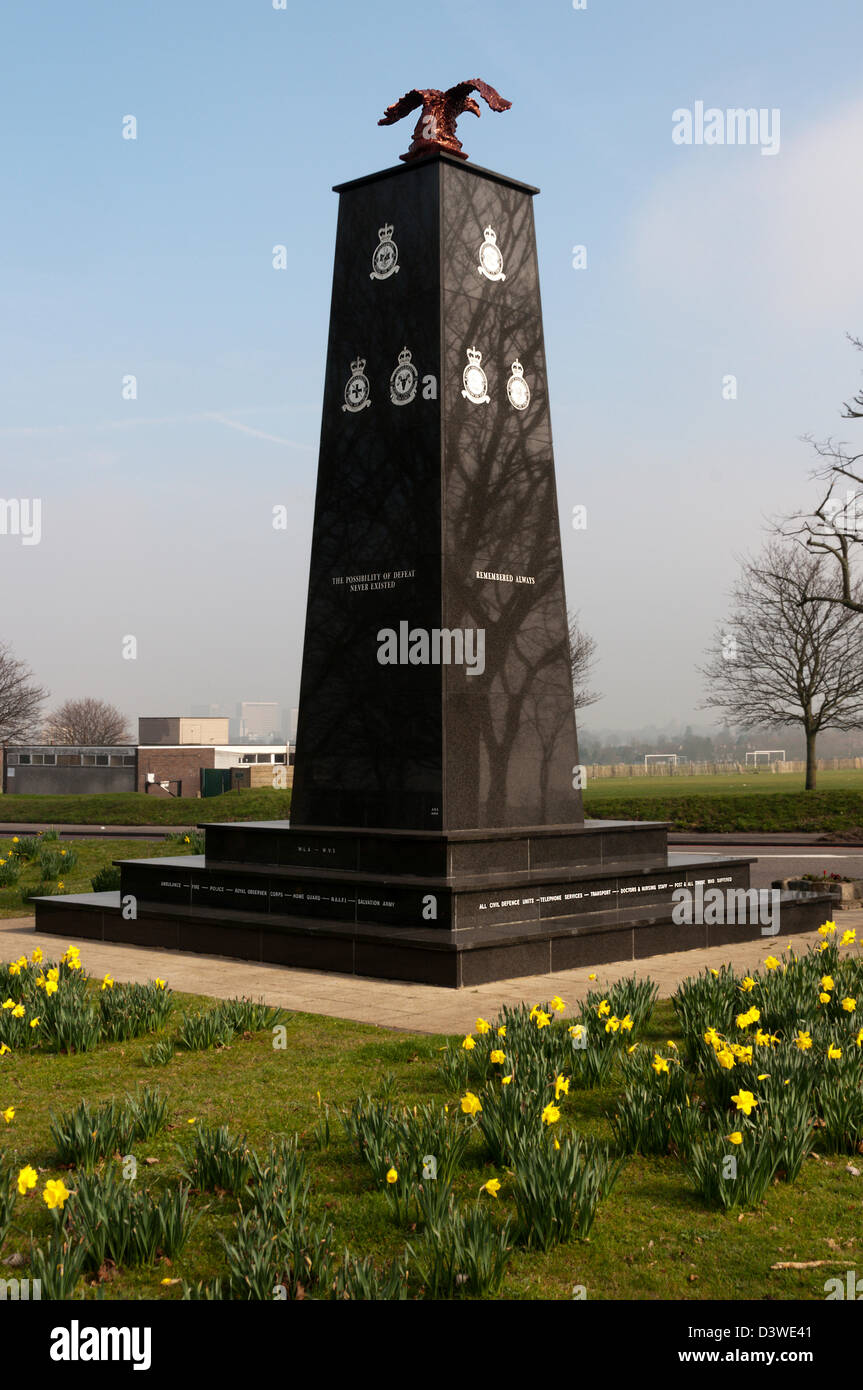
{"x":436,"y":512}
{"x":437,"y":831}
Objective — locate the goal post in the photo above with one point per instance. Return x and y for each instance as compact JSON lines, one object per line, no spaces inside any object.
{"x":765,"y":755}
{"x":650,"y":759}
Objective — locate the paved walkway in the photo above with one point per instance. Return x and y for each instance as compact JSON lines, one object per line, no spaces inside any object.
{"x":418,"y":1008}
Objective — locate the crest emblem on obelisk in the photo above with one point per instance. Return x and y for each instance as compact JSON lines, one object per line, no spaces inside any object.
{"x":517,"y":388}
{"x":357,"y":388}
{"x":435,"y":129}
{"x":490,"y":258}
{"x":385,"y":257}
{"x":475,"y":379}
{"x":403,"y":382}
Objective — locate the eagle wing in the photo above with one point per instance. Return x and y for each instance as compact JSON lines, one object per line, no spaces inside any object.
{"x":409,"y":102}
{"x":463,"y":89}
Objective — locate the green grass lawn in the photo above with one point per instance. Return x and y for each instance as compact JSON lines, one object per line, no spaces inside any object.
{"x":90,"y":856}
{"x":745,"y":784}
{"x":751,"y":802}
{"x":136,"y":808}
{"x":756,"y":801}
{"x":653,"y":1237}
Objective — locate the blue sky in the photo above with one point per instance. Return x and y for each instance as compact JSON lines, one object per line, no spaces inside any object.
{"x":153,"y":257}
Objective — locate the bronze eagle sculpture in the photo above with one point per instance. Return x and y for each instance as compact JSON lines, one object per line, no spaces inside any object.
{"x":435,"y":129}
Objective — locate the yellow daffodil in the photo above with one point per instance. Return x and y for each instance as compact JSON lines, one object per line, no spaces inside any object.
{"x":612,"y":1025}
{"x":592,"y":976}
{"x":827,"y":982}
{"x":849,"y":1004}
{"x":603,"y":1008}
{"x":550,"y":1114}
{"x":714,"y":972}
{"x":745,"y":1101}
{"x":822,"y":946}
{"x":470,"y":1103}
{"x":392,"y":1176}
{"x":55,"y":1193}
{"x":497,"y":1057}
{"x":574,"y":1032}
{"x":557,"y":1004}
{"x":51,"y":987}
{"x":735,"y":1137}
{"x":482,"y":1026}
{"x":542,"y":1019}
{"x":501,"y":1032}
{"x":561,"y":1087}
{"x":8,"y":1003}
{"x":859,"y":1038}
{"x":747,"y":984}
{"x":18,"y":1011}
{"x":712,"y":1038}
{"x":627,"y":1024}
{"x":9,"y":1115}
{"x":803,"y":1041}
{"x":725,"y":1058}
{"x":27,"y":1179}
{"x":764,"y":1076}
{"x":761,"y":1038}
{"x":848,"y":937}
{"x":824,"y":998}
{"x":659,"y":1064}
{"x":834,"y":1052}
{"x":108,"y":982}
{"x":492,"y":1187}
{"x":160,"y":984}
{"x":34,"y":1022}
{"x":54,"y":974}
{"x":468,"y":1043}
{"x":772,"y":963}
{"x":505,"y":1080}
{"x":4,"y":1049}
{"x":827,"y":928}
{"x":15,"y":969}
{"x":37,"y":955}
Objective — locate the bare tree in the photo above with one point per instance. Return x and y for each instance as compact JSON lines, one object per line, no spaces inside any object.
{"x":582,"y":650}
{"x":789,"y":653}
{"x":20,"y":698}
{"x":835,"y":526}
{"x":86,"y":721}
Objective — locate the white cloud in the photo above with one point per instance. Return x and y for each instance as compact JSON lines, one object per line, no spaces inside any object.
{"x":779,"y":235}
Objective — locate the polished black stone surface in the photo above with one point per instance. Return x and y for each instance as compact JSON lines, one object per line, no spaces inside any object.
{"x":451,"y":959}
{"x":437,"y":834}
{"x":414,"y":502}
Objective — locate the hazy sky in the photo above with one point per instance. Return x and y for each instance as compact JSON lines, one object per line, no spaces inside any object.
{"x":153,"y":257}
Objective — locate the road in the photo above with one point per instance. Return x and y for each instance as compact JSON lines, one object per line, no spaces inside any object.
{"x":778,"y":861}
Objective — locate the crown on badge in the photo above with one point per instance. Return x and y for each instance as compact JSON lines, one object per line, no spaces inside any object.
{"x":474,"y":357}
{"x":385,"y":233}
{"x":490,"y":235}
{"x":404,"y":357}
{"x":517,"y":368}
{"x":358,"y":366}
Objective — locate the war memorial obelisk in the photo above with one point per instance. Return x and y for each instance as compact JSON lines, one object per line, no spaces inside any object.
{"x":437,"y":831}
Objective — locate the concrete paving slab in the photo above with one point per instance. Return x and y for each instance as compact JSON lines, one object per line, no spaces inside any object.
{"x":416,"y":1008}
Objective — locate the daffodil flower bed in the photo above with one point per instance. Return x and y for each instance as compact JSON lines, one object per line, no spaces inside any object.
{"x":543,"y":1145}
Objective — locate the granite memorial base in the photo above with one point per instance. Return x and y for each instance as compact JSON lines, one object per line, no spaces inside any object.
{"x":455,"y":910}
